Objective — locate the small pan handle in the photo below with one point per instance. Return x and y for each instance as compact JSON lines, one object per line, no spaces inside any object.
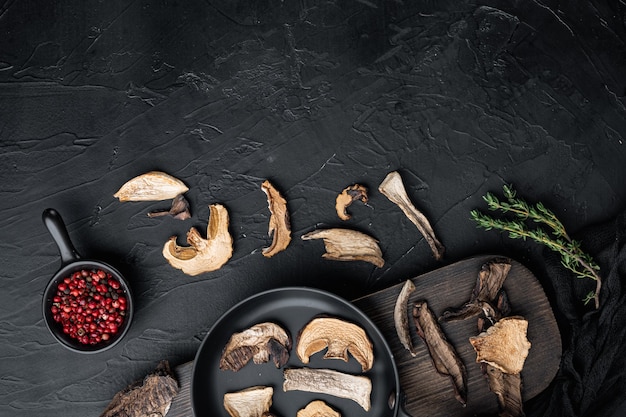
{"x":53,"y":221}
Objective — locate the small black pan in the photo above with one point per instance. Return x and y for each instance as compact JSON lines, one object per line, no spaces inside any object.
{"x":70,"y":263}
{"x":292,"y":308}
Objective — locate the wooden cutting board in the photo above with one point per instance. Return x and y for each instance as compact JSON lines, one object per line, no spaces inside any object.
{"x":428,"y":393}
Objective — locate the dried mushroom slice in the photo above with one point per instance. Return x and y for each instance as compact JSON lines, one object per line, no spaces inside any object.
{"x":401,"y":317}
{"x":348,"y":196}
{"x":204,"y":255}
{"x":179,"y":209}
{"x":445,"y":358}
{"x":318,"y":408}
{"x":279,"y":224}
{"x":151,"y":396}
{"x":357,"y":388}
{"x":340,"y":337}
{"x":508,"y":391}
{"x":151,"y":186}
{"x":250,"y":402}
{"x":348,"y":245}
{"x":504,"y":345}
{"x":393,"y":188}
{"x":259,"y":343}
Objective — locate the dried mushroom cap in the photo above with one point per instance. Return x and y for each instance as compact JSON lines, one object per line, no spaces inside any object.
{"x":348,"y":196}
{"x":504,"y":345}
{"x":258,"y":343}
{"x":348,"y":245}
{"x":151,"y":186}
{"x":250,"y":402}
{"x":357,"y":388}
{"x":317,"y":408}
{"x":340,"y":337}
{"x":279,"y":224}
{"x":204,"y":255}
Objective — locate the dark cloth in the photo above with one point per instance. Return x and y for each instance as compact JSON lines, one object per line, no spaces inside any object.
{"x":592,"y":377}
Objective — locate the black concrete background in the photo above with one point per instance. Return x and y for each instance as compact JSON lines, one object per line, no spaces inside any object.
{"x":459,"y":97}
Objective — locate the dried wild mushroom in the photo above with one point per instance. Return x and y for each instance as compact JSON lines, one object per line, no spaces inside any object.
{"x":348,"y":196}
{"x":147,"y":398}
{"x":317,"y":408}
{"x":204,"y":255}
{"x":401,"y":317}
{"x":357,"y":388}
{"x":486,"y":292}
{"x":393,"y":188}
{"x":258,"y":343}
{"x":508,"y":391}
{"x":340,"y":337}
{"x":504,"y":345}
{"x":151,"y":186}
{"x":279,"y":224}
{"x":179,"y":209}
{"x":442,"y":353}
{"x":250,"y":402}
{"x":348,"y":245}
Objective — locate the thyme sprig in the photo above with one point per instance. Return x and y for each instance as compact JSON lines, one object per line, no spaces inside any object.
{"x":556,"y":238}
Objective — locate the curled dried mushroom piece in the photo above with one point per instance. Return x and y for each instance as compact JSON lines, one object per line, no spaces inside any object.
{"x":348,"y":245}
{"x":392,"y":187}
{"x":504,"y":345}
{"x":317,"y":408}
{"x":250,"y":402}
{"x":340,"y":337}
{"x":401,"y":317}
{"x":357,"y":388}
{"x":151,"y":186}
{"x":279,"y":225}
{"x":348,"y":196}
{"x":259,"y":343}
{"x":204,"y":255}
{"x":179,"y":209}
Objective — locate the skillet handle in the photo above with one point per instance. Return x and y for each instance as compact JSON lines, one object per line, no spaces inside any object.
{"x":400,"y":412}
{"x":53,"y":221}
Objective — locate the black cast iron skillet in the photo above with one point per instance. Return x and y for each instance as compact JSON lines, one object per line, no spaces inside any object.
{"x":72,"y":262}
{"x":292,"y":308}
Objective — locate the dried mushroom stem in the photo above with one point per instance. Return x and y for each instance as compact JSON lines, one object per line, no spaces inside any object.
{"x":357,"y":388}
{"x":401,"y":317}
{"x":393,"y":188}
{"x":348,"y":245}
{"x":203,"y":255}
{"x":279,"y":224}
{"x":444,"y":356}
{"x":151,"y":396}
{"x":347,"y":197}
{"x":151,"y":186}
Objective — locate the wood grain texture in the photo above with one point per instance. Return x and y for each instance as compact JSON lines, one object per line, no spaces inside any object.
{"x":428,"y":393}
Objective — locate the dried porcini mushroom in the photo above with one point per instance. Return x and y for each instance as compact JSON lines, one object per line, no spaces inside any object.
{"x":150,"y":397}
{"x":348,"y":245}
{"x":250,"y":402}
{"x":204,"y":255}
{"x":279,"y":224}
{"x":445,"y":358}
{"x":340,"y":337}
{"x":259,"y":343}
{"x":508,"y":391}
{"x":357,"y":388}
{"x":179,"y":209}
{"x":317,"y":408}
{"x":401,"y":317}
{"x":392,"y":187}
{"x":151,"y":186}
{"x":504,"y":345}
{"x":348,"y":196}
